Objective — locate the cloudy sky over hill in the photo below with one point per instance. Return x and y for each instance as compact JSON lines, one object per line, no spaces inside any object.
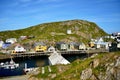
{"x":17,"y":14}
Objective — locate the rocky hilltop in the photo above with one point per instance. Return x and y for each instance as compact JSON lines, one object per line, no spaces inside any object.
{"x":81,"y":30}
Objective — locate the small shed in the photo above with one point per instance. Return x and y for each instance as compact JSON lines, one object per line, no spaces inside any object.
{"x":61,"y":46}
{"x":77,"y":46}
{"x":92,"y":44}
{"x":118,"y":45}
{"x":23,"y":37}
{"x":99,"y":45}
{"x":19,"y":49}
{"x":1,"y":43}
{"x":11,"y":40}
{"x":69,"y":31}
{"x":118,"y":39}
{"x":51,"y":49}
{"x":73,"y":45}
{"x":82,"y":46}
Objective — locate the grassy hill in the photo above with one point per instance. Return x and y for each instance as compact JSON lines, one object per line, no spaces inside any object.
{"x":57,"y":31}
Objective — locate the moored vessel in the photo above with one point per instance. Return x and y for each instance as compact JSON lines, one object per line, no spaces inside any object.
{"x":9,"y":65}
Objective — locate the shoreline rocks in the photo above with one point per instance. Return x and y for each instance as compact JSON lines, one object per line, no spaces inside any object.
{"x":111,"y":70}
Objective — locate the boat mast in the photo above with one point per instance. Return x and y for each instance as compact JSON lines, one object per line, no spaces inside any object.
{"x":25,"y":65}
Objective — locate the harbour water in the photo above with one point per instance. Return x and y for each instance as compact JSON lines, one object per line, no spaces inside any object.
{"x":32,"y":62}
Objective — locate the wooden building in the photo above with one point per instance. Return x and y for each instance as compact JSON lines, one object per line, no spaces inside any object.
{"x":1,"y":43}
{"x":40,"y":47}
{"x":19,"y":49}
{"x":51,"y":49}
{"x":11,"y":40}
{"x":61,"y":46}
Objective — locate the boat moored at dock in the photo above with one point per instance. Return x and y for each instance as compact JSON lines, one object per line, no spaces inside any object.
{"x":9,"y":65}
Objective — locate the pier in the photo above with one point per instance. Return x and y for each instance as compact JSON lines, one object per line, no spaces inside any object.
{"x":47,"y":53}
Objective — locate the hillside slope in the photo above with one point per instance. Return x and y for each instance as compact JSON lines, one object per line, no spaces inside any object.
{"x":57,"y":31}
{"x":103,"y":66}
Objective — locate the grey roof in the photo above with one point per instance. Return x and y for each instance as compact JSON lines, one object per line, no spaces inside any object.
{"x":39,"y":43}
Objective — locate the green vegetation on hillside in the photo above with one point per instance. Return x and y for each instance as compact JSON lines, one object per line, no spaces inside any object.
{"x":57,"y":31}
{"x":73,"y":71}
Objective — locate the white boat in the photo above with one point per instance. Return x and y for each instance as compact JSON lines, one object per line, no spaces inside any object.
{"x":9,"y":65}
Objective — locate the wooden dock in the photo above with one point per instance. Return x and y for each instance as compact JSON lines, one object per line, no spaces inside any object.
{"x":30,"y":54}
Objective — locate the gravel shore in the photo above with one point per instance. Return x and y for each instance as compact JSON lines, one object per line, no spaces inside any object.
{"x":23,"y":77}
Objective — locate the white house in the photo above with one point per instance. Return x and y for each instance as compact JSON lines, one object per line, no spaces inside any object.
{"x":112,"y":37}
{"x":61,"y":46}
{"x":1,"y":43}
{"x":11,"y":40}
{"x":51,"y":49}
{"x":82,"y":46}
{"x":118,"y":45}
{"x":118,"y":39}
{"x":116,"y":34}
{"x":69,"y":31}
{"x":100,"y":40}
{"x":101,"y":44}
{"x":19,"y":49}
{"x":105,"y":45}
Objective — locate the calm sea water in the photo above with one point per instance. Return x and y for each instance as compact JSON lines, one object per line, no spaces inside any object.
{"x":32,"y":62}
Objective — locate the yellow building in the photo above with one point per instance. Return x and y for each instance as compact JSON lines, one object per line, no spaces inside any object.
{"x":13,"y":52}
{"x":40,"y":48}
{"x":91,"y":44}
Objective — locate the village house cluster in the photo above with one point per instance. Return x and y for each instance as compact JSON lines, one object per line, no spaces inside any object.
{"x":12,"y":45}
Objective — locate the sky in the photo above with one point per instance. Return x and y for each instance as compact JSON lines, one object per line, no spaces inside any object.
{"x":19,"y":14}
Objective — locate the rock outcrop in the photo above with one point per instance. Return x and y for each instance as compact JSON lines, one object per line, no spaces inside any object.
{"x":86,"y":74}
{"x":111,"y":72}
{"x":94,"y":63}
